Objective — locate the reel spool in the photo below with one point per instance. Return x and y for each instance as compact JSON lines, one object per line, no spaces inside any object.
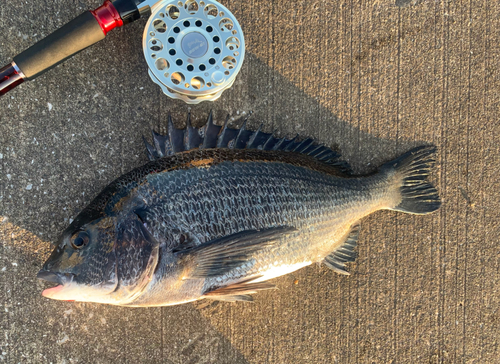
{"x":194,"y":49}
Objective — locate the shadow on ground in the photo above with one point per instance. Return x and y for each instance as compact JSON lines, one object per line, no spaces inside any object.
{"x":66,"y":161}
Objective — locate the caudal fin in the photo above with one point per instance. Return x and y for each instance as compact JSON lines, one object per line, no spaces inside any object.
{"x":417,"y":195}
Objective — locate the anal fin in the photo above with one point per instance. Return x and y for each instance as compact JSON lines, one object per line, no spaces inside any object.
{"x":240,"y":291}
{"x":235,"y":298}
{"x":344,"y":253}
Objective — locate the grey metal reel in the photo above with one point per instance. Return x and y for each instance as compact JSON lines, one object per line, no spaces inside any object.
{"x":194,"y":49}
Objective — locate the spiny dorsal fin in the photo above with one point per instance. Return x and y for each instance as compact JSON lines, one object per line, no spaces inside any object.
{"x":344,"y":253}
{"x":193,"y":138}
{"x":210,"y":133}
{"x":243,"y":137}
{"x":240,"y":291}
{"x":227,"y":136}
{"x":214,"y":136}
{"x":151,"y":151}
{"x":176,"y":136}
{"x":304,"y":145}
{"x":258,"y":139}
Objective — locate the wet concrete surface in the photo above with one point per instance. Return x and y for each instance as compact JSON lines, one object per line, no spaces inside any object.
{"x":372,"y":78}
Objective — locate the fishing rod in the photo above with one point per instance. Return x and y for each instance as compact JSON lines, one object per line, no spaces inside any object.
{"x":194,"y":49}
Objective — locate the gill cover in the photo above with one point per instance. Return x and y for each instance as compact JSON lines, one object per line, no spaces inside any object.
{"x":137,"y":253}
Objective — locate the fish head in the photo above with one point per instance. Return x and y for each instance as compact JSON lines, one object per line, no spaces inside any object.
{"x":108,"y":260}
{"x":83,"y":264}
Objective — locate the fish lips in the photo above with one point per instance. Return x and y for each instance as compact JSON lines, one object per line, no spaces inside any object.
{"x":68,"y":289}
{"x":54,"y":277}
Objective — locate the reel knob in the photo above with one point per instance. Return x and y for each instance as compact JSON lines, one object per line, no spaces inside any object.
{"x":194,"y":49}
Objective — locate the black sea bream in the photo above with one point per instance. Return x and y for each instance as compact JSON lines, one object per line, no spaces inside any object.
{"x":217,"y":213}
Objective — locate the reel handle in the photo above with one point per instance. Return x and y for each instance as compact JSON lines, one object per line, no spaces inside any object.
{"x":80,"y":33}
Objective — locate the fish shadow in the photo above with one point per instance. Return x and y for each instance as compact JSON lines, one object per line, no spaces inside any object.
{"x":185,"y":333}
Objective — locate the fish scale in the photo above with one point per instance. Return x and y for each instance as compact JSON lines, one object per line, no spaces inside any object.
{"x":207,"y":222}
{"x":310,"y":201}
{"x":245,"y":185}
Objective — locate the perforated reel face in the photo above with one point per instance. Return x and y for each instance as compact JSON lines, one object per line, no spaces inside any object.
{"x":194,"y":49}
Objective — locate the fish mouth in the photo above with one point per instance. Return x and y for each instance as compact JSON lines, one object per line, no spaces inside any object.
{"x":54,"y":277}
{"x":50,"y":276}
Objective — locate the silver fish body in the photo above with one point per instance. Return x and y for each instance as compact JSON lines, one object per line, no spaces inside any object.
{"x":219,"y":222}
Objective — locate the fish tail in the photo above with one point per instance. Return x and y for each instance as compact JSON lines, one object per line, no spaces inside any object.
{"x":415,"y":195}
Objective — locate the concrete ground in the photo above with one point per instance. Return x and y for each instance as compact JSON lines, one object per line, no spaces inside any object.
{"x":373,"y":78}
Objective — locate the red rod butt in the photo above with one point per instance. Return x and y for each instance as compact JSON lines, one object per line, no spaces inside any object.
{"x":10,"y":77}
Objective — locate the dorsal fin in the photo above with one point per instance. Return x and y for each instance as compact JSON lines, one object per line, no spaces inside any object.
{"x":243,"y":137}
{"x":210,"y":133}
{"x":304,"y":145}
{"x":291,"y":144}
{"x":227,"y":136}
{"x":214,"y":136}
{"x":193,"y":138}
{"x":176,"y":136}
{"x":258,"y":139}
{"x":344,"y":253}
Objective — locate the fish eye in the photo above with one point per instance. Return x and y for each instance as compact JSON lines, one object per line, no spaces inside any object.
{"x":80,"y":240}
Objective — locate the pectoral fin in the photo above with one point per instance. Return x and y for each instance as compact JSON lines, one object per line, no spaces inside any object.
{"x":219,"y":256}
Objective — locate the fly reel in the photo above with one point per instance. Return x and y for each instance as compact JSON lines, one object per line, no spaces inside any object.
{"x":194,"y":49}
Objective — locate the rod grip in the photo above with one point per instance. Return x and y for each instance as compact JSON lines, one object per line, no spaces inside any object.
{"x":75,"y":36}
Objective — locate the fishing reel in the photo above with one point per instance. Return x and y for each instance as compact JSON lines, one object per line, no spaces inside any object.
{"x":194,"y":48}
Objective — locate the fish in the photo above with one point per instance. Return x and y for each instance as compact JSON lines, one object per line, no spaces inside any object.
{"x":218,"y":212}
